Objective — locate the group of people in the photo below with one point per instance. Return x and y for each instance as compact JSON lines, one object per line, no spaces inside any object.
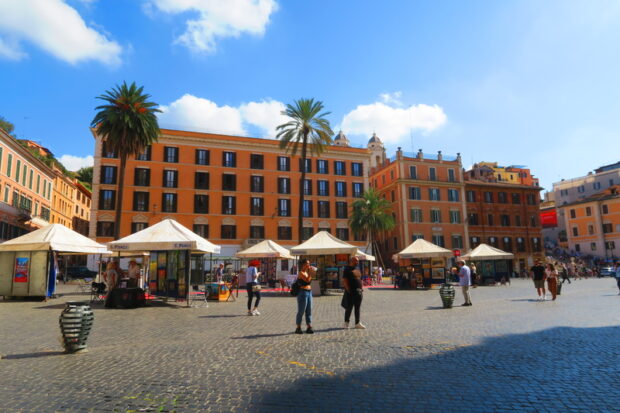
{"x":113,"y":275}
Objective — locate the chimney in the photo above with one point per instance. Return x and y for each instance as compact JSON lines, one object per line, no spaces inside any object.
{"x":399,"y":153}
{"x":420,"y":154}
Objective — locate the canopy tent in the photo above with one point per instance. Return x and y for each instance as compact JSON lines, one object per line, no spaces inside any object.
{"x":165,"y":235}
{"x":421,"y":248}
{"x":487,"y":252}
{"x":55,"y":237}
{"x":324,"y":243}
{"x":265,"y":249}
{"x":361,"y":255}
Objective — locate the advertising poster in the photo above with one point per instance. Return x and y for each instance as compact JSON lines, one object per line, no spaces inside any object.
{"x":21,"y":270}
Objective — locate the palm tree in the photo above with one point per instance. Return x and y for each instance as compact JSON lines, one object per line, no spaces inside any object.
{"x":308,"y":129}
{"x":370,"y":215}
{"x":127,"y":124}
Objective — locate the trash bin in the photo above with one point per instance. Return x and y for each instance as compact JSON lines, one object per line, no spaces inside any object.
{"x":447,"y":293}
{"x":559,"y":287}
{"x":76,"y":320}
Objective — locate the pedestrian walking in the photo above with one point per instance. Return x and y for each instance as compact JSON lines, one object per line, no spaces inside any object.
{"x":219,"y":273}
{"x":304,"y":298}
{"x":380,"y":276}
{"x":474,"y":275}
{"x":538,"y":275}
{"x":252,"y":287}
{"x":353,"y":291}
{"x":618,"y":275}
{"x":552,"y":280}
{"x":464,"y":281}
{"x":563,"y":272}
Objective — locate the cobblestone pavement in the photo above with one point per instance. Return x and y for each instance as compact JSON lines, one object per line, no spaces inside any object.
{"x":508,"y":352}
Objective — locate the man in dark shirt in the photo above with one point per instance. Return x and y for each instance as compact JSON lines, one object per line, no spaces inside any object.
{"x":538,"y":274}
{"x":353,"y":292}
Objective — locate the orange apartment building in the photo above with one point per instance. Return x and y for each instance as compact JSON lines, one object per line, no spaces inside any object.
{"x":428,"y":200}
{"x":81,"y":210}
{"x":506,"y":216}
{"x":63,"y":197}
{"x":25,"y":189}
{"x":231,"y":190}
{"x":593,"y":224}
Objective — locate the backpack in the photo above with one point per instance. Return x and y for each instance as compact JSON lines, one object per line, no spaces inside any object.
{"x":295,"y":287}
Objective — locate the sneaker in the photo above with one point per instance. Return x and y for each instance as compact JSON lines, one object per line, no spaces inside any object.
{"x":309,"y":330}
{"x":250,"y":312}
{"x":298,"y":331}
{"x":255,"y":312}
{"x":360,"y":326}
{"x":345,"y":325}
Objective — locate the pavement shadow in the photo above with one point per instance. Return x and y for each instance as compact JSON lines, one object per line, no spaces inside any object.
{"x":501,"y":374}
{"x":255,"y":336}
{"x":222,"y":316}
{"x":440,"y":308}
{"x":33,"y":355}
{"x":532,"y":300}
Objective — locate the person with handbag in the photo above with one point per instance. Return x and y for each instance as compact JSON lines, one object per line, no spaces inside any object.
{"x":304,"y":296}
{"x":252,"y":287}
{"x":352,"y":293}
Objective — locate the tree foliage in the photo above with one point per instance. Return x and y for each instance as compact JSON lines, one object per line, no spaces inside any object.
{"x":370,"y":215}
{"x":6,"y":125}
{"x":85,"y":175}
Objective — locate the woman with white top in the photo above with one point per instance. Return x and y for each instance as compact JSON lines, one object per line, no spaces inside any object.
{"x":552,"y":280}
{"x":252,"y":287}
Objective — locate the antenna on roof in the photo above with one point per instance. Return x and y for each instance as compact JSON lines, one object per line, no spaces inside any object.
{"x":411,"y":131}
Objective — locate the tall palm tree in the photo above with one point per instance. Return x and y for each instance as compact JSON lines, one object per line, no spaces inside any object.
{"x":307,"y":131}
{"x":127,"y":124}
{"x":370,"y":215}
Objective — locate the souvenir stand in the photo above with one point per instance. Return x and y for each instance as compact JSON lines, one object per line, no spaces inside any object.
{"x":29,"y":264}
{"x":422,"y":263}
{"x":270,"y":252}
{"x":330,"y":255}
{"x":491,"y":263}
{"x":365,"y":264}
{"x":174,"y":250}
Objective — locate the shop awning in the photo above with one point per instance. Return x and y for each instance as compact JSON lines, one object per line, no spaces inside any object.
{"x":421,"y":248}
{"x":324,"y":243}
{"x":165,"y":235}
{"x":56,"y":237}
{"x":361,"y":255}
{"x":265,"y":249}
{"x":487,"y":252}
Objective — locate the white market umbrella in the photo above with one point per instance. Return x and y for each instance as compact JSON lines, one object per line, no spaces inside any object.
{"x":421,"y":248}
{"x":487,"y":252}
{"x":361,"y":255}
{"x":265,"y":249}
{"x":324,"y":243}
{"x":54,"y":237}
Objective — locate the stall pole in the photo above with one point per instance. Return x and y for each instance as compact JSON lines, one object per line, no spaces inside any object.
{"x":187,"y":275}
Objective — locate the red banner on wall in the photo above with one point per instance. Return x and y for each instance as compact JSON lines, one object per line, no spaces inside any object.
{"x":549,"y":218}
{"x":21,"y":270}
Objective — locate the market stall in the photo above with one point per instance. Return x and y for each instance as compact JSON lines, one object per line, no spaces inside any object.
{"x":174,"y":251}
{"x":422,"y":263}
{"x":330,"y":255}
{"x":29,"y":264}
{"x":269,"y":252}
{"x":492,"y":264}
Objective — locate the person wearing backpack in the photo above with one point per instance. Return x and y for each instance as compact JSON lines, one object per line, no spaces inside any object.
{"x":353,"y":291}
{"x":304,"y":296}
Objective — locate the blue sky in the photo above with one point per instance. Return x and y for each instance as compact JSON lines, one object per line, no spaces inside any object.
{"x":518,"y":82}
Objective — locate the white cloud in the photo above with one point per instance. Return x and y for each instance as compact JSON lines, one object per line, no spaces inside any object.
{"x":55,"y":27}
{"x":218,"y":19}
{"x":73,"y":163}
{"x":391,"y":98}
{"x":390,"y":123}
{"x":266,"y":115}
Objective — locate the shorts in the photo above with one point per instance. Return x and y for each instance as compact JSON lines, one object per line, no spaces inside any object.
{"x":539,"y":283}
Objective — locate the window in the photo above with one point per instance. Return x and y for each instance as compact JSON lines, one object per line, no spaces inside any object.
{"x":573,"y":213}
{"x":451,"y":176}
{"x":229,"y":182}
{"x":307,"y":187}
{"x":201,"y":180}
{"x":201,"y":230}
{"x":228,"y":231}
{"x":169,"y":202}
{"x":307,"y":233}
{"x":203,"y":157}
{"x":502,"y":198}
{"x":575,"y":231}
{"x":341,"y":210}
{"x":138,"y":226}
{"x":434,"y":194}
{"x":611,"y":182}
{"x":415,"y":237}
{"x":577,"y":247}
{"x":358,"y":189}
{"x":307,"y":209}
{"x":170,"y":179}
{"x":438,"y":240}
{"x":593,"y":246}
{"x":596,"y":185}
{"x":229,"y":205}
{"x":563,"y":192}
{"x":31,"y":174}
{"x":533,"y":221}
{"x":520,"y":244}
{"x":516,"y":198}
{"x":504,"y":220}
{"x":108,"y":175}
{"x":413,"y":172}
{"x":581,"y":189}
{"x":284,"y":186}
{"x":605,"y":209}
{"x":415,"y":193}
{"x":607,"y":228}
{"x":171,"y":154}
{"x":229,"y":159}
{"x":432,"y":174}
{"x":517,"y":220}
{"x":107,"y":151}
{"x":416,"y":215}
{"x":105,"y":229}
{"x":145,"y":155}
{"x":107,"y":199}
{"x":455,"y":217}
{"x":435,"y":215}
{"x":38,"y":180}
{"x":490,"y":219}
{"x":493,"y":242}
{"x":472,"y":219}
{"x":610,"y":245}
{"x":341,"y":189}
{"x":453,"y":195}
{"x":285,"y":233}
{"x":9,"y":162}
{"x":308,"y":164}
{"x":284,"y":163}
{"x":18,"y":168}
{"x":201,"y":204}
{"x":488,"y":197}
{"x":257,"y":232}
{"x":531,"y":200}
{"x":474,"y":241}
{"x":588,"y":211}
{"x":284,"y":207}
{"x":257,"y":206}
{"x":507,"y":244}
{"x":339,"y":168}
{"x":457,"y":241}
{"x":323,"y":188}
{"x":590,"y":229}
{"x":471,"y":196}
{"x":342,"y":233}
{"x":140,"y":201}
{"x":256,"y":161}
{"x":322,"y":166}
{"x":323,"y":209}
{"x":142,"y":177}
{"x":356,"y":169}
{"x":536,"y":246}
